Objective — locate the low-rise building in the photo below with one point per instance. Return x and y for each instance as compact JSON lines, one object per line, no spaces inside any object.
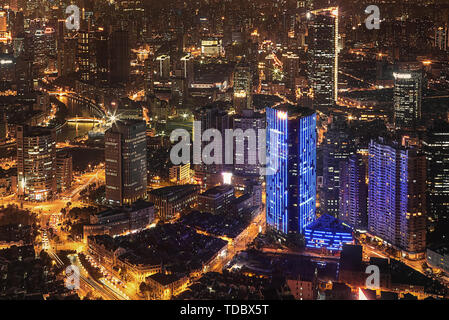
{"x":8,"y":181}
{"x":242,"y":203}
{"x":303,"y":289}
{"x":164,"y":286}
{"x":180,"y":174}
{"x":216,"y":200}
{"x":329,"y":233}
{"x":169,"y":248}
{"x":339,"y":291}
{"x":438,"y":258}
{"x":120,"y":220}
{"x":174,"y":200}
{"x":104,"y":249}
{"x":138,"y":268}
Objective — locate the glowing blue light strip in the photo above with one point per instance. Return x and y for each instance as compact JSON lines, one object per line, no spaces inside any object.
{"x":335,"y":241}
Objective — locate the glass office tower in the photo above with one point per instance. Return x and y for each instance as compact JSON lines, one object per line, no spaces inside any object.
{"x":323,"y":56}
{"x":291,"y":168}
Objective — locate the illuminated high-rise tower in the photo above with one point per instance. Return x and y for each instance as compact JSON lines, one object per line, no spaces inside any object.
{"x":407,"y":98}
{"x":249,"y":164}
{"x":353,"y":192}
{"x":101,"y":56}
{"x":36,"y":162}
{"x":397,"y":196}
{"x":187,"y":69}
{"x":67,"y":56}
{"x":149,"y":67}
{"x":126,"y":162}
{"x":291,"y":168}
{"x":436,"y":148}
{"x":163,"y":67}
{"x":337,"y":146}
{"x":290,"y":62}
{"x":441,"y":39}
{"x":212,"y":116}
{"x":242,"y":87}
{"x":323,"y":55}
{"x":84,"y":55}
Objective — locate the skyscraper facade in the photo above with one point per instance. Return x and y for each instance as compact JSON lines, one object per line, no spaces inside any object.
{"x":119,"y":59}
{"x":323,"y":56}
{"x":397,"y":196}
{"x":337,"y":146}
{"x":242,"y":88}
{"x":149,"y":67}
{"x":441,"y":39}
{"x":436,"y":148}
{"x":353,"y":192}
{"x":84,"y":55}
{"x":36,"y":162}
{"x":163,"y":67}
{"x":210,"y":117}
{"x":407,"y":98}
{"x":67,"y":56}
{"x":126,"y":162}
{"x":187,"y":68}
{"x":64,"y":170}
{"x":291,"y":68}
{"x":101,"y":56}
{"x":254,"y":121}
{"x":291,"y":168}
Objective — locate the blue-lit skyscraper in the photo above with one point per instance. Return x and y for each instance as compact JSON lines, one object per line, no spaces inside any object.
{"x":397,"y":196}
{"x":291,"y":168}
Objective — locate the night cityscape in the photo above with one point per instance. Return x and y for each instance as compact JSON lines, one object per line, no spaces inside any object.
{"x":191,"y":150}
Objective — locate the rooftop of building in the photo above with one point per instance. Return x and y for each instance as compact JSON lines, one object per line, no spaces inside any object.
{"x":106,"y":240}
{"x":294,"y":110}
{"x":108,"y":212}
{"x":218,"y":190}
{"x":231,"y":286}
{"x":179,"y":248}
{"x":173,"y":190}
{"x":164,"y":279}
{"x":227,"y":225}
{"x":441,"y":249}
{"x":139,"y":204}
{"x":30,"y":131}
{"x":249,"y":114}
{"x":393,"y":143}
{"x":242,"y":198}
{"x":122,"y":124}
{"x":145,"y":257}
{"x":328,"y":223}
